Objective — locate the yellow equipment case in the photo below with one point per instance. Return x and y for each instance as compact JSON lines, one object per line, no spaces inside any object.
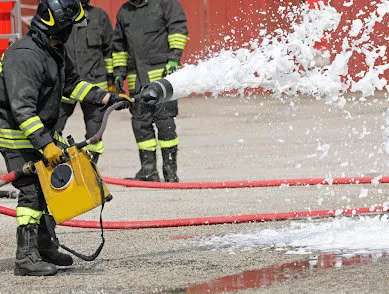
{"x":73,"y":187}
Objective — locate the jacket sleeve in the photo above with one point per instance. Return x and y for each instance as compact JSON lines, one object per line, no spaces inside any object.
{"x":107,"y":32}
{"x":80,"y":90}
{"x":23,"y":79}
{"x":177,"y":29}
{"x":119,"y":48}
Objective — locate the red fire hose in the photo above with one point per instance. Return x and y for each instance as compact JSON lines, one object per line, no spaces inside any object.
{"x":214,"y":220}
{"x":245,"y":184}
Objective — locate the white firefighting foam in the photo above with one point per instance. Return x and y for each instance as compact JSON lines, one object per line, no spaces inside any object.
{"x":343,"y":236}
{"x":284,"y":64}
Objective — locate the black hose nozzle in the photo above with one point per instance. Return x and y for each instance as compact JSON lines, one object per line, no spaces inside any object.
{"x":156,"y":92}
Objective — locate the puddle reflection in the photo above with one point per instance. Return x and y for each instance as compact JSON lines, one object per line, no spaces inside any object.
{"x":265,"y":277}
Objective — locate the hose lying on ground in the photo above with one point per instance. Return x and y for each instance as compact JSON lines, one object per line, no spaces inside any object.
{"x":214,"y":220}
{"x":247,"y":184}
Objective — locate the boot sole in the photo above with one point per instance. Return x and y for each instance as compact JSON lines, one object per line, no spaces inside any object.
{"x":22,"y":272}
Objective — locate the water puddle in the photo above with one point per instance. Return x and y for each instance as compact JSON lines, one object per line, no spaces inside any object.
{"x":264,"y":277}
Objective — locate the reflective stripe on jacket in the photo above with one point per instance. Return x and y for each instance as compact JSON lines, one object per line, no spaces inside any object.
{"x":146,"y":36}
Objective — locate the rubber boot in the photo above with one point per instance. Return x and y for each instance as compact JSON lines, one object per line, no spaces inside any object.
{"x":28,"y":261}
{"x":169,"y":167}
{"x":48,"y":251}
{"x":148,"y":172}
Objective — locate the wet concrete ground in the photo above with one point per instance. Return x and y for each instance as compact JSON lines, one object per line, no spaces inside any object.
{"x":225,"y":139}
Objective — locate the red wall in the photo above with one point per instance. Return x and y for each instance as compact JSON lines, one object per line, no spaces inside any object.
{"x":209,"y":21}
{"x":217,"y":24}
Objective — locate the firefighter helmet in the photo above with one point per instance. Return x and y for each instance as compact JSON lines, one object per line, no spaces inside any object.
{"x":54,"y":16}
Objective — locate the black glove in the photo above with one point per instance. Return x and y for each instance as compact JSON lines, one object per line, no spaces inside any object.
{"x":116,"y":98}
{"x":156,"y":92}
{"x":119,"y":83}
{"x":147,"y":95}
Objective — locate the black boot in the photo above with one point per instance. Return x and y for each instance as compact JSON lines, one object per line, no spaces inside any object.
{"x":148,"y":172}
{"x":48,"y":251}
{"x":28,"y":262}
{"x":169,"y":167}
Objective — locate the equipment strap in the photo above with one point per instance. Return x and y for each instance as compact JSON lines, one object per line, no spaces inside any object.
{"x":50,"y":223}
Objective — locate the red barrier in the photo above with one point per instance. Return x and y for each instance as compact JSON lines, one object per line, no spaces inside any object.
{"x":5,"y":24}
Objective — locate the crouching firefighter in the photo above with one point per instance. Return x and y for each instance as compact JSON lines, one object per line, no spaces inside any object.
{"x":34,"y":75}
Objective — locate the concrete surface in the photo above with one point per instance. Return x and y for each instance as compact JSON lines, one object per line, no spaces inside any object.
{"x":222,"y":139}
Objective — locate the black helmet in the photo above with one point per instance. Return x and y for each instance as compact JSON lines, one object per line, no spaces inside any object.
{"x":54,"y":16}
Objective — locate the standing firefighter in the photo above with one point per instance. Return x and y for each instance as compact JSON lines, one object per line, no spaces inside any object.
{"x":34,"y":74}
{"x":89,"y":48}
{"x":148,"y":42}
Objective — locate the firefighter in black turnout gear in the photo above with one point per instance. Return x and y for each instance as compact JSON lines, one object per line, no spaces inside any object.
{"x":34,"y":74}
{"x":89,"y":48}
{"x":148,"y":42}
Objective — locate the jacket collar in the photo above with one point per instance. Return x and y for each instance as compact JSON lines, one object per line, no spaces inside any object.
{"x":43,"y":41}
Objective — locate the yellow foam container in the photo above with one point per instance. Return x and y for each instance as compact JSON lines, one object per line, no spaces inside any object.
{"x":81,"y":192}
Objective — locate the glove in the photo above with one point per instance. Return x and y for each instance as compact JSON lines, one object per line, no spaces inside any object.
{"x":156,"y":92}
{"x":116,"y":98}
{"x":112,"y":89}
{"x":53,"y":154}
{"x":170,"y":68}
{"x":147,"y":95}
{"x":119,"y":83}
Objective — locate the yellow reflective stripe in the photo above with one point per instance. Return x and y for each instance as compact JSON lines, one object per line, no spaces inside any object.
{"x":177,"y":41}
{"x":59,"y":138}
{"x":15,"y":144}
{"x":131,"y":77}
{"x":180,"y":37}
{"x":12,"y":134}
{"x":51,"y":21}
{"x":81,"y":15}
{"x":168,"y":143}
{"x":119,"y":58}
{"x":156,"y":78}
{"x":150,"y":145}
{"x":98,"y":147}
{"x":1,"y":64}
{"x":65,"y":98}
{"x":102,"y":85}
{"x":175,"y":45}
{"x":81,"y":91}
{"x":25,"y":216}
{"x":131,"y":86}
{"x":109,"y":64}
{"x":121,"y":54}
{"x":155,"y":74}
{"x":31,"y":125}
{"x":131,"y":81}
